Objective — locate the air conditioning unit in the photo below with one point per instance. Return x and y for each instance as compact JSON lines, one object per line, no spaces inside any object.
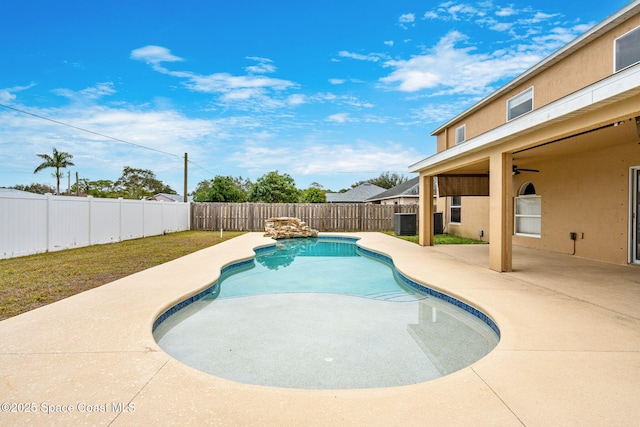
{"x":405,"y":224}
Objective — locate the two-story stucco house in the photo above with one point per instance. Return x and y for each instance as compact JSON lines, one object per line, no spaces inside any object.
{"x":552,"y":159}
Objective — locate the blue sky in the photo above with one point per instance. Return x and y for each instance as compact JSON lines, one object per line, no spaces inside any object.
{"x":332,"y":92}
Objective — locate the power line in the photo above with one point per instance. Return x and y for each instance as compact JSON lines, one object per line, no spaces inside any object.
{"x":198,"y":166}
{"x":87,"y":130}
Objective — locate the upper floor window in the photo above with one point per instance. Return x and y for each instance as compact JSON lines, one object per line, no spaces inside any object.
{"x":627,"y":50}
{"x":461,"y":134}
{"x":520,"y":104}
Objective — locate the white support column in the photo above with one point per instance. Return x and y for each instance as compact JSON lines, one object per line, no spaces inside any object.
{"x":425,"y":232}
{"x":500,"y":211}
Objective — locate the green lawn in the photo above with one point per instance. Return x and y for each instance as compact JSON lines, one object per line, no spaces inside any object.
{"x":441,"y":239}
{"x":33,"y":281}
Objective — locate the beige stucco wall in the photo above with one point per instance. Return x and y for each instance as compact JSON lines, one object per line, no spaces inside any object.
{"x":586,"y":66}
{"x":588,"y":194}
{"x":584,"y":157}
{"x":474,"y":215}
{"x":584,"y":183}
{"x":400,"y":201}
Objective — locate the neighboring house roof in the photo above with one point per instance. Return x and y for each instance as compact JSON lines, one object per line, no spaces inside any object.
{"x":356,"y":195}
{"x":410,"y":188}
{"x":546,"y":63}
{"x":18,"y":193}
{"x":171,"y":197}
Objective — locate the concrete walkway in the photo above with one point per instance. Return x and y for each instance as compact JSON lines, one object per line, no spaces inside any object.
{"x":569,"y":353}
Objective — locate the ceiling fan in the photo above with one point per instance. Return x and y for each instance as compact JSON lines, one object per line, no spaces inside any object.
{"x":517,"y":170}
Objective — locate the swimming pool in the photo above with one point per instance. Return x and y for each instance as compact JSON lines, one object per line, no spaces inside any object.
{"x":323,"y":314}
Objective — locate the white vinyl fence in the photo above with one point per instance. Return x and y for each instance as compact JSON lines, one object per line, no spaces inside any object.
{"x":32,"y":224}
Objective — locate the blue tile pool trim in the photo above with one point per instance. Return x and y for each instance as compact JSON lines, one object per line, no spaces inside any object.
{"x":229,"y":268}
{"x":339,"y":238}
{"x":427,"y":290}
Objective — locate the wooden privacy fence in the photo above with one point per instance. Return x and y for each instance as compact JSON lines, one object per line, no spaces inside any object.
{"x":320,"y":216}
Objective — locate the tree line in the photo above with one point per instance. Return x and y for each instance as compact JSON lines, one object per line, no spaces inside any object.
{"x":273,"y":187}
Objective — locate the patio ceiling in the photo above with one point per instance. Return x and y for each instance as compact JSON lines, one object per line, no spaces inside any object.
{"x":623,"y":131}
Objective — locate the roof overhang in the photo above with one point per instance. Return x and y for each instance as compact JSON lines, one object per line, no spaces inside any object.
{"x":617,"y":87}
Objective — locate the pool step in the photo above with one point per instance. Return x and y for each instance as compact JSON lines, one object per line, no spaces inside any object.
{"x":395,"y":296}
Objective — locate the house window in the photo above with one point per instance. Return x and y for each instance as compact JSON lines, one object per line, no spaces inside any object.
{"x":456,"y":210}
{"x":461,"y":134}
{"x":528,"y":212}
{"x":520,"y":104}
{"x":627,"y":50}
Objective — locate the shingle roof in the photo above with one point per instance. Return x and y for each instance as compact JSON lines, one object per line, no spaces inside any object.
{"x":18,"y":193}
{"x":172,"y":197}
{"x":408,"y":188}
{"x":356,"y":195}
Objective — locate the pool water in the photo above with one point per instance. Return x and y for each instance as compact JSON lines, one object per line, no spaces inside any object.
{"x":322,"y":314}
{"x":316,"y":265}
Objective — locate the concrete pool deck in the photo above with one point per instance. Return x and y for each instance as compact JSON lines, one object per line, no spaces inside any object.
{"x":569,"y":352}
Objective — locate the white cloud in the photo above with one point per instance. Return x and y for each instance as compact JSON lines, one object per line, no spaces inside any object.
{"x":339,"y":118}
{"x":251,"y":91}
{"x":361,"y":156}
{"x":560,"y":36}
{"x":540,"y":16}
{"x":297,"y":99}
{"x":521,"y":23}
{"x":313,"y":157}
{"x":154,"y":55}
{"x":263,"y":66}
{"x":97,"y":157}
{"x":337,"y":81}
{"x":8,"y":94}
{"x":455,"y":66}
{"x":99,"y":90}
{"x":440,"y":112}
{"x":407,"y":18}
{"x":89,"y":94}
{"x":388,"y":42}
{"x":371,"y":57}
{"x":462,"y":11}
{"x":340,"y":100}
{"x":224,"y":83}
{"x":501,"y":26}
{"x":451,"y":69}
{"x":354,"y":102}
{"x":506,"y":11}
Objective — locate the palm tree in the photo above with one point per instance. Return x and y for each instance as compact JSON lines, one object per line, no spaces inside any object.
{"x":59,"y":160}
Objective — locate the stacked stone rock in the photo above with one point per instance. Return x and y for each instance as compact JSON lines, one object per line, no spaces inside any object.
{"x":288,"y":228}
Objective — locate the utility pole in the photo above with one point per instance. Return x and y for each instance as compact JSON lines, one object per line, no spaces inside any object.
{"x":186,"y":160}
